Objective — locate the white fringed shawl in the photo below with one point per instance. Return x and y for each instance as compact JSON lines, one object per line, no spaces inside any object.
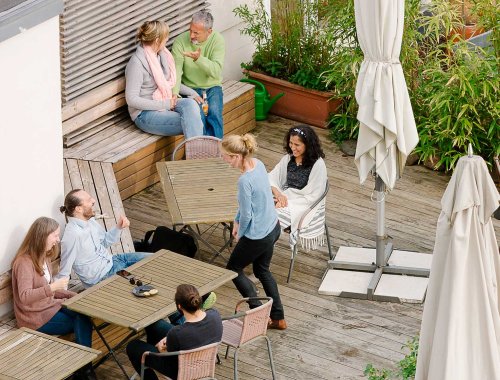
{"x":300,"y":200}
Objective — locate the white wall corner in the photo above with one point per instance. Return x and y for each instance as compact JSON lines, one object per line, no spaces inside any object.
{"x":31,"y":135}
{"x":239,"y":48}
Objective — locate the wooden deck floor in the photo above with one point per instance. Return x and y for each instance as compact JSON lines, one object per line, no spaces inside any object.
{"x":327,"y":337}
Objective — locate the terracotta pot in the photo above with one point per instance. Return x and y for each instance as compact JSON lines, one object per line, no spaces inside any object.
{"x":465,"y":32}
{"x":299,"y":103}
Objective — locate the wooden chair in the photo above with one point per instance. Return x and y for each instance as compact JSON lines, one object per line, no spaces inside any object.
{"x":245,"y":327}
{"x":198,"y":363}
{"x":199,"y":147}
{"x":300,"y":228}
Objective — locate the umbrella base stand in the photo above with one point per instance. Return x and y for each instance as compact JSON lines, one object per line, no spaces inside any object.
{"x":353,"y":273}
{"x":379,"y":274}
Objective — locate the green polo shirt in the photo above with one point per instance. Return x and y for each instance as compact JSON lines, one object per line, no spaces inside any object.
{"x":206,"y":71}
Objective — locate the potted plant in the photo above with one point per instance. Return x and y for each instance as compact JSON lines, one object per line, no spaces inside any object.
{"x":457,"y":97}
{"x":292,"y":50}
{"x":453,"y":87}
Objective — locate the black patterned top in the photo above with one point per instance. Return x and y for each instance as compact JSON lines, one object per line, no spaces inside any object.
{"x":297,"y":176}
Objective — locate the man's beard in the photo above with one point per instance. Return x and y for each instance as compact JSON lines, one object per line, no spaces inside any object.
{"x":89,"y":213}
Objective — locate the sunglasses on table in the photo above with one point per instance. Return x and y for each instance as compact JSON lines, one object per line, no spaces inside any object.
{"x":131,"y":278}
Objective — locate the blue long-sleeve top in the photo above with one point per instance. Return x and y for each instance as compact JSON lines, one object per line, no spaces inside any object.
{"x":84,"y":247}
{"x":256,"y":213}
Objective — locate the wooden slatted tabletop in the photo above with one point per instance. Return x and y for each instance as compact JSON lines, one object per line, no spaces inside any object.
{"x":28,"y":354}
{"x":199,"y":191}
{"x":112,"y":300}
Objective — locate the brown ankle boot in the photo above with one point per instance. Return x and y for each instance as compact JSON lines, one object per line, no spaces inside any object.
{"x":277,"y":324}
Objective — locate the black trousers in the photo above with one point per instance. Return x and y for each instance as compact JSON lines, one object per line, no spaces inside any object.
{"x":154,"y":333}
{"x":258,"y":253}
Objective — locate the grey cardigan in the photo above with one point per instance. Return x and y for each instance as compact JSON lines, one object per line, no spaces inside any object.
{"x":140,"y":84}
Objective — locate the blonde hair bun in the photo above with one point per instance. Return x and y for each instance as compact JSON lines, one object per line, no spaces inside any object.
{"x":246,"y":144}
{"x":151,"y":31}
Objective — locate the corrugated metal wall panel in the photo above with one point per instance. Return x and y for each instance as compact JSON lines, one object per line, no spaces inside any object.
{"x":98,"y":37}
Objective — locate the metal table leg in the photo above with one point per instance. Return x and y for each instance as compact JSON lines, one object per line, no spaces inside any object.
{"x":112,"y":351}
{"x":216,"y":253}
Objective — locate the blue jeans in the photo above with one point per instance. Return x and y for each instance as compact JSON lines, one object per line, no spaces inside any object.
{"x":213,"y":124}
{"x":124,"y":260}
{"x":154,"y":333}
{"x":258,"y":253}
{"x":67,"y":321}
{"x":184,"y":119}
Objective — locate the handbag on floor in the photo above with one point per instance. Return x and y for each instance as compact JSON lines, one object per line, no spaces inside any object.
{"x":165,"y":238}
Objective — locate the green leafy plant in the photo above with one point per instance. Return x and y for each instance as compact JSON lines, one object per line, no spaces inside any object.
{"x":453,"y":87}
{"x":373,"y":373}
{"x":406,"y":367}
{"x":342,"y":74}
{"x":295,"y":44}
{"x":457,"y":101}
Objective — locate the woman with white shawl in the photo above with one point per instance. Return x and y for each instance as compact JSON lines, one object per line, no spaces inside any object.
{"x":297,"y":181}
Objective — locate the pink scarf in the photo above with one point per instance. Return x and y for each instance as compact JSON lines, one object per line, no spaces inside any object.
{"x":164,"y":90}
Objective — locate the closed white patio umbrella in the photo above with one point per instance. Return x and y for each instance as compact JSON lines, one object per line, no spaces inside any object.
{"x":387,"y":131}
{"x":460,"y":333}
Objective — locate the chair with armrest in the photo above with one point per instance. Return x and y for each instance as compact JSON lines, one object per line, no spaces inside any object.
{"x":199,"y":147}
{"x":318,"y":221}
{"x":247,"y":326}
{"x":198,"y":363}
{"x":203,"y":147}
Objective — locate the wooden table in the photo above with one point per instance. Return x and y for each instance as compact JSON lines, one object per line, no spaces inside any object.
{"x":200,"y":192}
{"x":28,"y":354}
{"x":112,"y":300}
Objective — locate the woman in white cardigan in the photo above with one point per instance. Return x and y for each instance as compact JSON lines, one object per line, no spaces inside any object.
{"x":297,"y":181}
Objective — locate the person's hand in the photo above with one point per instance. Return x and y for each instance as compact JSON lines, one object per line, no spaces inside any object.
{"x":59,"y":284}
{"x":198,"y":99}
{"x":162,"y":345}
{"x":173,"y":102}
{"x":236,"y":227}
{"x":281,"y":200}
{"x":192,"y":54}
{"x":123,"y":222}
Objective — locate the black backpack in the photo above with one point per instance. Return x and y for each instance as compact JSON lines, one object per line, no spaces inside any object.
{"x":165,"y":238}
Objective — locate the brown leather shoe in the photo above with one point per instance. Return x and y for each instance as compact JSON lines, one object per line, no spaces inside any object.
{"x":277,"y":324}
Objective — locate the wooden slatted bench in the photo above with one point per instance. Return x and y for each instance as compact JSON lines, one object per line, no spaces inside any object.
{"x":97,"y":127}
{"x":98,"y":179}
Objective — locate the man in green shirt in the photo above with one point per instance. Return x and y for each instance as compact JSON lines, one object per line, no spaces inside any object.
{"x":199,"y":57}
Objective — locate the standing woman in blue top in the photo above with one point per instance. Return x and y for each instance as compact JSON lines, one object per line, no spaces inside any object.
{"x":256,"y":226}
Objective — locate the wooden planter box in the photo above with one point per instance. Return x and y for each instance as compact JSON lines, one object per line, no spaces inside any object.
{"x":299,"y":103}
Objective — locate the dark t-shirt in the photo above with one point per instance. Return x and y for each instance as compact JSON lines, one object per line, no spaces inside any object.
{"x":193,"y":335}
{"x":297,"y":176}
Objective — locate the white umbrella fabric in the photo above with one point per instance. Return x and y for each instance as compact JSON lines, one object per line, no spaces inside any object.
{"x":387,"y":131}
{"x":460,"y":333}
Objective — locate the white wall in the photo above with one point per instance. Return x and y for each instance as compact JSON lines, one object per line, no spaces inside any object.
{"x":238,"y":48}
{"x":31,"y":183}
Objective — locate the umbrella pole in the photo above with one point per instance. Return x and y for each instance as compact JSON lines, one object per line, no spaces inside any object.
{"x":383,"y":250}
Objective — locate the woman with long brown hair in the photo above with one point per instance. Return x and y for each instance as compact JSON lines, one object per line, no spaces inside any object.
{"x":38,"y":297}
